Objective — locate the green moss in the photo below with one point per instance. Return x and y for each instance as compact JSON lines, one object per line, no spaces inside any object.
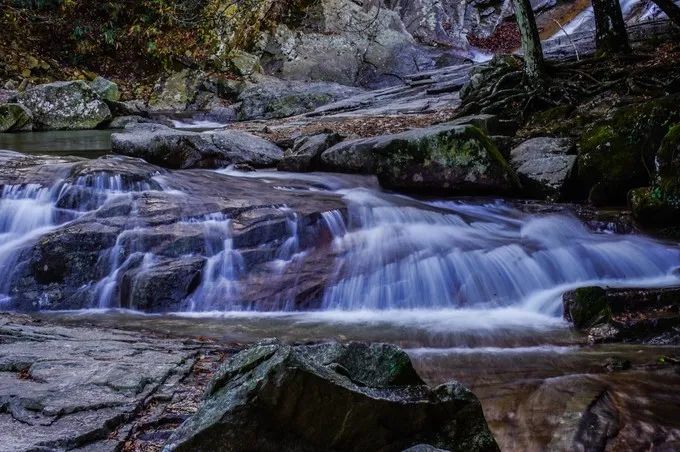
{"x":558,"y":121}
{"x":668,"y":161}
{"x":618,"y":154}
{"x":588,"y":307}
{"x":465,"y":150}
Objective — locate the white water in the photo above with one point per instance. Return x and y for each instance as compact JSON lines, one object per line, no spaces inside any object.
{"x":460,"y":255}
{"x":443,"y":264}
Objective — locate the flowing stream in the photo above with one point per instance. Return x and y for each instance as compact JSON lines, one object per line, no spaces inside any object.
{"x":471,"y":288}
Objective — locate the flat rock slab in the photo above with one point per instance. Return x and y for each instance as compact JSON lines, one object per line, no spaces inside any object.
{"x":66,"y":388}
{"x":173,"y":148}
{"x":544,"y":164}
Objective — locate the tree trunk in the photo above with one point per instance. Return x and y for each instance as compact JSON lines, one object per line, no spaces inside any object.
{"x":670,"y":9}
{"x":531,"y":41}
{"x":610,"y":30}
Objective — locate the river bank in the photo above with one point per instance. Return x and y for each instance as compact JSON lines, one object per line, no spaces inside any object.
{"x":537,"y":391}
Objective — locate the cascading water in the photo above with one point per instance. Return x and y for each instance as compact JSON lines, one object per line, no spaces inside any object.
{"x":26,"y":212}
{"x":451,"y":255}
{"x":223,"y":268}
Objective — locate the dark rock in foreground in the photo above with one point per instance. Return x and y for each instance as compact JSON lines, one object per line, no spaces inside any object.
{"x":173,"y":148}
{"x":625,"y":315}
{"x":330,"y":397}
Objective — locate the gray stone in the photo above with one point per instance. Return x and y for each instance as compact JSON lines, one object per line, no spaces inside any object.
{"x":273,"y":98}
{"x":67,"y":388}
{"x":330,"y":397}
{"x":121,"y":122}
{"x":173,"y":148}
{"x":15,"y":118}
{"x":442,"y":159}
{"x":306,"y":152}
{"x":65,"y":105}
{"x":176,"y":92}
{"x":488,"y":124}
{"x":545,"y":165}
{"x":8,"y":95}
{"x":135,"y":107}
{"x":105,"y":89}
{"x":243,"y":63}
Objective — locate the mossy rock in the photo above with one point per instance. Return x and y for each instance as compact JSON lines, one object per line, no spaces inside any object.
{"x":655,"y":207}
{"x":668,"y":161}
{"x":443,"y":159}
{"x":618,"y":154}
{"x":459,"y":160}
{"x":557,"y":121}
{"x":659,"y":205}
{"x":587,"y":307}
{"x":14,"y":118}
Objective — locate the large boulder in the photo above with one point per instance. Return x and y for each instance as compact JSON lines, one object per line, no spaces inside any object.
{"x":171,"y":148}
{"x":65,"y":105}
{"x":273,"y":98}
{"x":333,"y":397}
{"x":15,"y":118}
{"x":306,"y":152}
{"x":618,"y":153}
{"x":544,"y":165}
{"x":453,"y":159}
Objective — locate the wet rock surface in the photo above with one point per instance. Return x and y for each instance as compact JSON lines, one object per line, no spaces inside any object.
{"x":173,"y":148}
{"x":330,"y":396}
{"x":71,"y":388}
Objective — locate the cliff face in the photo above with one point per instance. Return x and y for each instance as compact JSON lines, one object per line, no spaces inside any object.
{"x":369,"y":43}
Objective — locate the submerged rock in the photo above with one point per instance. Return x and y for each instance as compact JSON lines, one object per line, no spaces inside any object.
{"x":544,"y":165}
{"x":625,"y":315}
{"x":15,"y":118}
{"x":331,"y":397}
{"x":120,"y":232}
{"x":172,"y":148}
{"x":454,"y":159}
{"x":65,"y":105}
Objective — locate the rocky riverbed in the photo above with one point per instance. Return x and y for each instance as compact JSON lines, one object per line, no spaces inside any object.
{"x":347,"y":203}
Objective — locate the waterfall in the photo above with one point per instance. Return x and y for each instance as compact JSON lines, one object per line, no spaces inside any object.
{"x":451,"y":255}
{"x":223,"y":268}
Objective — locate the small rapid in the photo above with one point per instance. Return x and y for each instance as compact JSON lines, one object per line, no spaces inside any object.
{"x":400,"y":254}
{"x":381,"y":256}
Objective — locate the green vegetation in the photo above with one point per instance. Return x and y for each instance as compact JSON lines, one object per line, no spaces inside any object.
{"x":134,"y":41}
